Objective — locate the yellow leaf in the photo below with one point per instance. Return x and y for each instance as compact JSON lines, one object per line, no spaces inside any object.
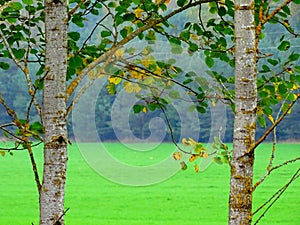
{"x":205,"y":155}
{"x":158,"y":71}
{"x":129,"y":87}
{"x":290,"y":70}
{"x":138,"y":12}
{"x":295,"y":87}
{"x":185,"y":142}
{"x":177,"y":155}
{"x":160,"y":1}
{"x":196,"y":168}
{"x":195,"y":37}
{"x":192,"y":142}
{"x":2,"y":153}
{"x":115,"y":80}
{"x":271,"y":118}
{"x":174,"y":69}
{"x":144,"y":109}
{"x":119,"y":53}
{"x":193,"y":158}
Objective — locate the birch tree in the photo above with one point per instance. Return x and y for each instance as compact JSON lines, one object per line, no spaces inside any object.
{"x":54,"y":113}
{"x":40,"y":37}
{"x":240,"y":201}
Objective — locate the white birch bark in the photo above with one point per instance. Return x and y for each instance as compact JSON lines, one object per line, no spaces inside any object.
{"x":240,"y":201}
{"x":54,"y":110}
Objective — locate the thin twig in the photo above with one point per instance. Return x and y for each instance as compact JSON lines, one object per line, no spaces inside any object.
{"x":277,"y":195}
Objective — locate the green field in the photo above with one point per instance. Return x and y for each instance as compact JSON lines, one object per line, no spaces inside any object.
{"x":185,"y":198}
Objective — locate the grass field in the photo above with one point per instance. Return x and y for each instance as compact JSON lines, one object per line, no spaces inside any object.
{"x":185,"y":198}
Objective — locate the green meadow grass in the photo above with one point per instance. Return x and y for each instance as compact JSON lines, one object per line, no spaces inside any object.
{"x":185,"y":198}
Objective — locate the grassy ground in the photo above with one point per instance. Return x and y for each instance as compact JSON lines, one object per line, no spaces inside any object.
{"x":186,"y":198}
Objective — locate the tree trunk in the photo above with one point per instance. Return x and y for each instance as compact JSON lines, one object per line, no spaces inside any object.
{"x":240,"y":201}
{"x":54,"y":111}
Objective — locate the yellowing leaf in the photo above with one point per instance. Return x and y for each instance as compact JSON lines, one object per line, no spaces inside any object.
{"x":2,"y":153}
{"x":193,"y":158}
{"x":119,"y":53}
{"x":148,"y":80}
{"x":196,"y":168}
{"x":195,"y":37}
{"x":144,"y":109}
{"x":174,"y":69}
{"x":177,"y":155}
{"x":189,"y":142}
{"x":295,"y":87}
{"x":203,"y":155}
{"x":138,"y":12}
{"x":271,"y":118}
{"x":115,"y":80}
{"x":129,"y":87}
{"x":192,"y":142}
{"x":185,"y":142}
{"x":183,"y":165}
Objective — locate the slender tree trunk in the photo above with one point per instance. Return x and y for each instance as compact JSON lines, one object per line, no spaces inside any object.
{"x":240,"y":201}
{"x":54,"y":111}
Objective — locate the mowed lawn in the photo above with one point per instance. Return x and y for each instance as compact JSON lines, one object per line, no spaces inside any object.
{"x":185,"y":198}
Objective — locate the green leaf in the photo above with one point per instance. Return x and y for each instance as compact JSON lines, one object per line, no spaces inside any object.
{"x":282,"y":89}
{"x":201,"y":109}
{"x":75,"y":62}
{"x":294,"y":57}
{"x":193,"y":47}
{"x":187,"y":81}
{"x":138,"y":108}
{"x":37,"y":127}
{"x":74,"y":35}
{"x":265,"y":68}
{"x":16,"y":5}
{"x":174,"y":94}
{"x":105,"y":33}
{"x":263,"y":94}
{"x":27,"y":2}
{"x":183,"y":165}
{"x":111,"y":88}
{"x":185,"y":35}
{"x":4,"y":65}
{"x":284,"y":45}
{"x":222,"y":11}
{"x":176,"y":49}
{"x":261,"y":121}
{"x":209,"y":61}
{"x":19,"y":53}
{"x":174,"y":41}
{"x":272,"y":62}
{"x":181,"y":3}
{"x":267,"y":111}
{"x":296,"y":1}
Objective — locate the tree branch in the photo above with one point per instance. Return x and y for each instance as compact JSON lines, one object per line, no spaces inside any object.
{"x":277,"y":195}
{"x":268,"y":131}
{"x":151,"y":23}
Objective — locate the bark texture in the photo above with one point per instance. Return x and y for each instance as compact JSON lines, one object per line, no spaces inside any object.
{"x":240,"y":201}
{"x":54,"y":111}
